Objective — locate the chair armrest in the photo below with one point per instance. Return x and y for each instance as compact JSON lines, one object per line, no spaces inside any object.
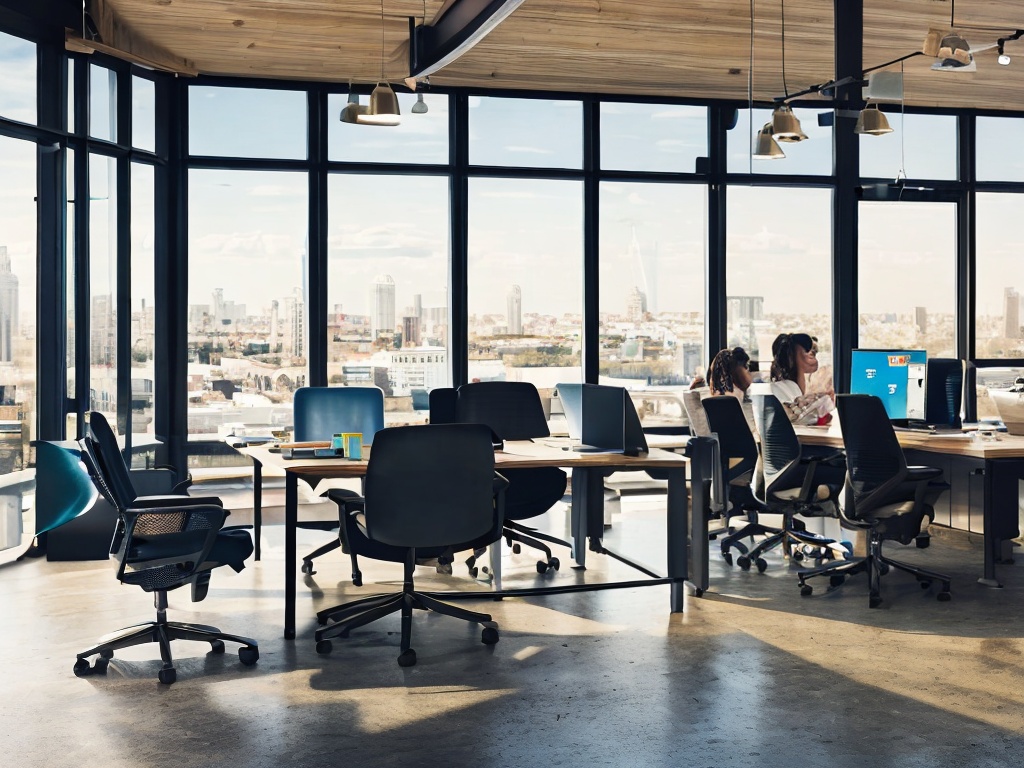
{"x":499,"y":483}
{"x":809,"y":487}
{"x":171,"y":500}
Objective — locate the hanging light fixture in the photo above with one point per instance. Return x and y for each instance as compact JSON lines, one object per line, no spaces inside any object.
{"x":352,"y":110}
{"x":872,"y":121}
{"x":420,"y":107}
{"x":765,"y":146}
{"x":383,"y":108}
{"x":785,"y":125}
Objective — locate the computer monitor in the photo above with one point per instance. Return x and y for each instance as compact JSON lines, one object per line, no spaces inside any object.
{"x":885,"y":374}
{"x":602,"y":418}
{"x":944,"y":391}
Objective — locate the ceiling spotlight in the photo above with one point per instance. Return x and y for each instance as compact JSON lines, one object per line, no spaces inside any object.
{"x":765,"y":146}
{"x":420,"y":107}
{"x":954,"y":55}
{"x":1003,"y":58}
{"x":785,"y":125}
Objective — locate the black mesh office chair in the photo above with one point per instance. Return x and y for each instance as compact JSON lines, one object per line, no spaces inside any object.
{"x":513,"y":411}
{"x":427,"y":487}
{"x":883,"y":497}
{"x":789,"y":486}
{"x":738,"y":455}
{"x":160,"y":544}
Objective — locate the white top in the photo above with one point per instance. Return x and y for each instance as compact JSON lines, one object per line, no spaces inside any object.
{"x":803,"y":409}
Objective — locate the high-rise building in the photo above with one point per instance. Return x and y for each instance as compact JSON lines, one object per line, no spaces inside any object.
{"x":636,"y":304}
{"x":515,"y":311}
{"x":382,"y":306}
{"x":411,"y":331}
{"x":645,"y":272}
{"x":8,"y":307}
{"x":417,"y":305}
{"x":295,"y":335}
{"x":921,"y":320}
{"x":1011,"y":313}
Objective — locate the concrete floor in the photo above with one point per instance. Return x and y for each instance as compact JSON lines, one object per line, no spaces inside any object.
{"x":751,"y":674}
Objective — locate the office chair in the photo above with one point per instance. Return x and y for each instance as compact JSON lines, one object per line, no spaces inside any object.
{"x":320,"y":413}
{"x":882,"y":496}
{"x":788,"y":486}
{"x":160,"y":544}
{"x":513,"y":411}
{"x":738,"y":456}
{"x":428,"y":487}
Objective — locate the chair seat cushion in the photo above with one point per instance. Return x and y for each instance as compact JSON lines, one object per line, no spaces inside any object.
{"x":916,"y":474}
{"x":821,"y":493}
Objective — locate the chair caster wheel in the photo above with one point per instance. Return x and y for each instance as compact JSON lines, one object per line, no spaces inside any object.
{"x":836,"y":580}
{"x":470,"y":562}
{"x":874,"y":601}
{"x":762,"y":565}
{"x":727,"y":556}
{"x":743,"y":562}
{"x":542,"y":567}
{"x":712,"y":537}
{"x":407,"y":658}
{"x":798,"y":555}
{"x":216,"y":646}
{"x":806,"y":590}
{"x":489,"y":636}
{"x":516,"y":549}
{"x":323,"y":647}
{"x":698,"y":592}
{"x":922,"y":542}
{"x":943,"y":597}
{"x":357,"y":579}
{"x":925,"y":583}
{"x":474,"y":572}
{"x":82,"y":668}
{"x":307,"y":567}
{"x":248,"y":655}
{"x":167,"y":676}
{"x":554,"y":563}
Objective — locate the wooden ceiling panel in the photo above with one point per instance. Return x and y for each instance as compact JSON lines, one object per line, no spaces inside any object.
{"x":699,"y":48}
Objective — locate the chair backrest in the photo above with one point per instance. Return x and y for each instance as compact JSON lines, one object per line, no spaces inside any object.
{"x":441,"y":403}
{"x":431,"y":485}
{"x":875,"y":464}
{"x":695,"y":414}
{"x":321,"y":412}
{"x":104,"y":451}
{"x":780,"y":447}
{"x":512,"y":409}
{"x":724,"y":416}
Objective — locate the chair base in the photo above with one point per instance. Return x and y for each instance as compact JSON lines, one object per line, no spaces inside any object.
{"x":307,"y":561}
{"x":357,"y":613}
{"x":162,"y":632}
{"x":788,"y":536}
{"x":875,"y":565}
{"x":522,"y":534}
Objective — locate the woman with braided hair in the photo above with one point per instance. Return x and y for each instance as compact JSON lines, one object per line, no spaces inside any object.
{"x":729,"y":374}
{"x":795,"y":356}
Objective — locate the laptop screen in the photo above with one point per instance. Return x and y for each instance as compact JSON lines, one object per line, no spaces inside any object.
{"x":602,"y":417}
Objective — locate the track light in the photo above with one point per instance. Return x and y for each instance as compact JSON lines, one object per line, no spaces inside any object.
{"x":765,"y":146}
{"x":785,"y":125}
{"x":420,"y":107}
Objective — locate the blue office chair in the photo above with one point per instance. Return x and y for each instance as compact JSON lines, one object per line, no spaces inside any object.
{"x":428,"y":488}
{"x":320,"y":413}
{"x":513,"y":411}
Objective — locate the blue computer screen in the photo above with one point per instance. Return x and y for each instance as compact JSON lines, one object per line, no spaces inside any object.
{"x":883,"y":372}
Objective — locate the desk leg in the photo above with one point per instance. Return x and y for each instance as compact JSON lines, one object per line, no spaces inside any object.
{"x":1000,"y":514}
{"x":291,"y":519}
{"x":257,"y":503}
{"x":578,"y":516}
{"x":677,"y":531}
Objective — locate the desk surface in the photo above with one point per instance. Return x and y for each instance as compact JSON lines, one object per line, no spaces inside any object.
{"x":520,"y":454}
{"x":1005,"y":447}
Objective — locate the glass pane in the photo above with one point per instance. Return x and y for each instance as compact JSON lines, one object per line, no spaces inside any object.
{"x":900,"y":242}
{"x":997,"y":140}
{"x":922,"y":146}
{"x":525,"y":280}
{"x":652,"y":337}
{"x":995,"y":378}
{"x":420,"y":138}
{"x":17,"y":331}
{"x":143,"y":113}
{"x":1000,"y":276}
{"x":811,"y":156}
{"x":142,"y":299}
{"x":247,"y":289}
{"x":652,"y":137}
{"x":247,"y":122}
{"x":388,"y":288}
{"x":103,"y":286}
{"x":530,"y":133}
{"x":779,"y":272}
{"x":17,"y":78}
{"x":71,"y":96}
{"x":102,"y":103}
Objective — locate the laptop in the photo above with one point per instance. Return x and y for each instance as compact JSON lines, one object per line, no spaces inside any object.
{"x":601,"y":419}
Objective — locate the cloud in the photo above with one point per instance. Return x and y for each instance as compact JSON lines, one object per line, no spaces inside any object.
{"x":681,"y":113}
{"x":528,"y":150}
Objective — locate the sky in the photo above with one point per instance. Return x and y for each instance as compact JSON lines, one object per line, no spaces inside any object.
{"x":248,"y":228}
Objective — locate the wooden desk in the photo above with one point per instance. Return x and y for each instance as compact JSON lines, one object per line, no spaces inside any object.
{"x":587,"y":509}
{"x":1001,"y":462}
